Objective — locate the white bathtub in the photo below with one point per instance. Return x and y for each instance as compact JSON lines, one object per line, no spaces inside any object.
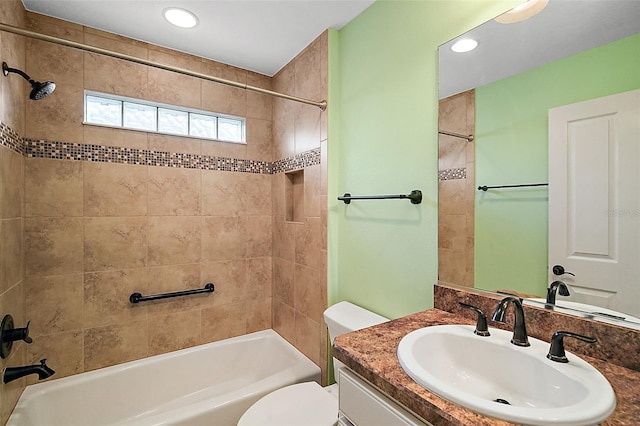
{"x":211,"y":384}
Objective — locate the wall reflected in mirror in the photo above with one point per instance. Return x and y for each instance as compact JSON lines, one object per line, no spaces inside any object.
{"x":500,"y":92}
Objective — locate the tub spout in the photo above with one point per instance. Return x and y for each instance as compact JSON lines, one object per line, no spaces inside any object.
{"x":14,"y":373}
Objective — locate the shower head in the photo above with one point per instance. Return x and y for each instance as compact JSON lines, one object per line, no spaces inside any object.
{"x":38,"y":90}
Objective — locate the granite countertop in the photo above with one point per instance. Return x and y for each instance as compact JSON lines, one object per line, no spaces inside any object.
{"x":372,"y":354}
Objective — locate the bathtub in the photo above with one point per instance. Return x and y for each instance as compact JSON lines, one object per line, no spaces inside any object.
{"x":211,"y":384}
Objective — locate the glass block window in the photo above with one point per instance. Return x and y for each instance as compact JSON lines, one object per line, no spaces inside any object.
{"x":136,"y":114}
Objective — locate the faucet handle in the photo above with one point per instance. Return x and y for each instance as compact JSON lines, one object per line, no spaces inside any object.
{"x":481,"y":323}
{"x":556,"y":350}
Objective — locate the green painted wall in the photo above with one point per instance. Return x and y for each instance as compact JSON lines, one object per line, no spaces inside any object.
{"x":382,"y":136}
{"x":511,"y":148}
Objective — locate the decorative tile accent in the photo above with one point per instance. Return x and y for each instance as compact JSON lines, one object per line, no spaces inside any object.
{"x":38,"y":148}
{"x":299,"y":161}
{"x":10,"y":139}
{"x":452,"y":174}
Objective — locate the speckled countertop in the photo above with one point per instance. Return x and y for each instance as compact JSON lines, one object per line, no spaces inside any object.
{"x":372,"y":354}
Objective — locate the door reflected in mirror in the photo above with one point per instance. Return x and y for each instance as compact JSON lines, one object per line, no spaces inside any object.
{"x":501,"y":93}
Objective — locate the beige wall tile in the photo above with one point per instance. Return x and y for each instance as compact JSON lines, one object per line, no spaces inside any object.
{"x":452,"y":231}
{"x":114,"y":189}
{"x":312,"y":191}
{"x":174,"y":191}
{"x":12,"y":303}
{"x":308,"y":292}
{"x":257,"y":194}
{"x":258,"y":278}
{"x":174,"y":331}
{"x":223,"y":193}
{"x":53,"y":187}
{"x":11,"y":253}
{"x":307,"y":337}
{"x":64,"y":353}
{"x":284,"y":237}
{"x":283,"y":273}
{"x":115,"y":243}
{"x":108,"y":75}
{"x":55,"y":27}
{"x":224,"y":99}
{"x":53,"y":62}
{"x":12,"y":184}
{"x":224,"y":149}
{"x":107,"y":136}
{"x":308,"y":243}
{"x":224,"y":321}
{"x":109,"y":41}
{"x":168,"y":143}
{"x":223,"y":238}
{"x":53,"y":246}
{"x":259,"y":315}
{"x":54,"y":303}
{"x":174,"y":240}
{"x":106,"y":297}
{"x":258,"y":236}
{"x":259,"y":105}
{"x":114,"y":344}
{"x":259,"y":139}
{"x":284,"y":321}
{"x":230,"y":280}
{"x":58,"y":117}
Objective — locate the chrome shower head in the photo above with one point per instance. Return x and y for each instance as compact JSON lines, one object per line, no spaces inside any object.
{"x":38,"y":90}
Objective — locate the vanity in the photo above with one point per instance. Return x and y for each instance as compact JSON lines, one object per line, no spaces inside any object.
{"x":375,"y":373}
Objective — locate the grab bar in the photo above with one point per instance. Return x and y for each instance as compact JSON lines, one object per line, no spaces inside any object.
{"x":484,"y":188}
{"x":137,"y":297}
{"x":415,"y":197}
{"x":469,"y":138}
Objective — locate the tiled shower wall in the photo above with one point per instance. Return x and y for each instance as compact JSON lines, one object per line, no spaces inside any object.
{"x":12,"y":107}
{"x":300,"y":244}
{"x":456,"y":189}
{"x":102,"y":213}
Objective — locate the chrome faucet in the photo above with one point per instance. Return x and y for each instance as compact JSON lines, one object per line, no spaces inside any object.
{"x":520,"y":337}
{"x":14,"y":373}
{"x":556,"y":287}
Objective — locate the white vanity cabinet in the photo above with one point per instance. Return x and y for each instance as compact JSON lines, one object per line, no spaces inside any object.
{"x":361,"y":404}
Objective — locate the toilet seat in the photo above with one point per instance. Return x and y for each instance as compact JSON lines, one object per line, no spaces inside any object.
{"x":305,"y":404}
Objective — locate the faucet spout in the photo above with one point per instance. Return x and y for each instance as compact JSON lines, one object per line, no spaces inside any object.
{"x":42,"y":370}
{"x":520,"y":337}
{"x":556,"y":287}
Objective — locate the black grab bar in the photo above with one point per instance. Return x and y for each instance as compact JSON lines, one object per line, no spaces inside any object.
{"x":137,"y":297}
{"x":415,"y":197}
{"x":484,"y":187}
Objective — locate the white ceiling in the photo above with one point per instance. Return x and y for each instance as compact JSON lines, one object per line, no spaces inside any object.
{"x":563,"y":28}
{"x":257,"y":35}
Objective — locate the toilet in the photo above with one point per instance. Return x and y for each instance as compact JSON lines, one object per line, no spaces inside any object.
{"x":308,"y":403}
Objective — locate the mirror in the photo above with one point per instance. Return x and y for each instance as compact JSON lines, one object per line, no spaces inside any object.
{"x":500,"y":93}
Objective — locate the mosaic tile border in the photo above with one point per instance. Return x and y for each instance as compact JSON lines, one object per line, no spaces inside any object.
{"x":10,"y":139}
{"x":38,"y":148}
{"x":452,"y":174}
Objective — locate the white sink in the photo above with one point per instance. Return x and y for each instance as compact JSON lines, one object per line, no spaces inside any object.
{"x":474,"y":371}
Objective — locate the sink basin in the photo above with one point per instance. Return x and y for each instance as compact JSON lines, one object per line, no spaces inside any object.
{"x":491,"y":376}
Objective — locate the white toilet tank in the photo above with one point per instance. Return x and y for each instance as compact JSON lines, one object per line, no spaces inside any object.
{"x":345,"y":317}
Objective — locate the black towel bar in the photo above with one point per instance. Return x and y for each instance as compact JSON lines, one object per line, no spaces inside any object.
{"x":484,"y":188}
{"x":415,"y":197}
{"x":137,"y":297}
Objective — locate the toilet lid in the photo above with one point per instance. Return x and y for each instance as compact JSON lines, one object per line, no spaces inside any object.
{"x":305,"y":404}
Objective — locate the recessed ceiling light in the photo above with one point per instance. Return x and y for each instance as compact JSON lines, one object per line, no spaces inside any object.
{"x":523,"y":12}
{"x":464,"y":45}
{"x":180,"y":17}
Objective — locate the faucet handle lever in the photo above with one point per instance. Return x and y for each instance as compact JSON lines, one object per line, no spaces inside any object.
{"x":481,"y":323}
{"x":556,"y":350}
